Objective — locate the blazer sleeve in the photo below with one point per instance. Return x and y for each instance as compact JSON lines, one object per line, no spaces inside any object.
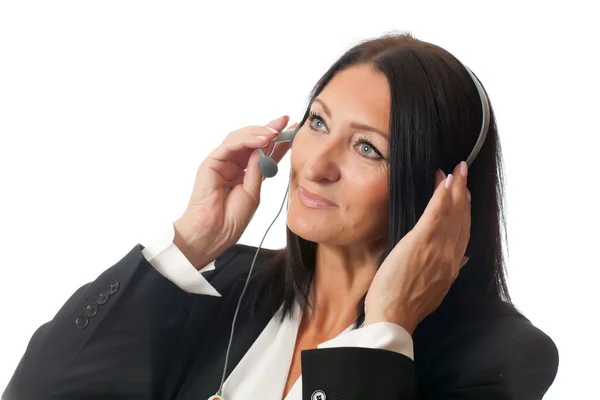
{"x":113,"y":338}
{"x":524,"y":372}
{"x":357,"y":373}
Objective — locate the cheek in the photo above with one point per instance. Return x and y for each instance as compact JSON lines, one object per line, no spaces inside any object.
{"x":297,"y":154}
{"x":371,"y":206}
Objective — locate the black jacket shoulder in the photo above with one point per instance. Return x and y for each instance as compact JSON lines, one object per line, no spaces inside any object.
{"x":117,"y":336}
{"x":499,"y":356}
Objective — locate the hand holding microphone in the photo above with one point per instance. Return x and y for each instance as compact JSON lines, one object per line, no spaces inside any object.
{"x":226,"y":191}
{"x":267,"y":165}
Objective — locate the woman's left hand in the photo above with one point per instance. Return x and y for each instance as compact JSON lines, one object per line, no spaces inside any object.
{"x":416,"y":275}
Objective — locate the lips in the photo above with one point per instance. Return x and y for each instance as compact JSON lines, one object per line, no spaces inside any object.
{"x":313,"y":200}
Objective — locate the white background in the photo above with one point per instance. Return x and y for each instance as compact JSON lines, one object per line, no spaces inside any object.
{"x":108,"y":108}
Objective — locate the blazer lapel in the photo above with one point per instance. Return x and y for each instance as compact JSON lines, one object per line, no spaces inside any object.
{"x":203,"y":376}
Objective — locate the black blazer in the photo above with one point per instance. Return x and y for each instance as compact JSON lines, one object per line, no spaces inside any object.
{"x":133,"y":334}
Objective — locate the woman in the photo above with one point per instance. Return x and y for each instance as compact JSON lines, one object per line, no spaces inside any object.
{"x":371,"y":298}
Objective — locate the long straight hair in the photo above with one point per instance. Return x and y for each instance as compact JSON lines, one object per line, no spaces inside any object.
{"x":435,"y":121}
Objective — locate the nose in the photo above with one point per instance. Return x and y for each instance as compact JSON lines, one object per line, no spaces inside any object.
{"x":323,"y":164}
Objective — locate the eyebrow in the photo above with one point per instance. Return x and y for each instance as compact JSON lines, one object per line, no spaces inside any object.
{"x":354,"y":125}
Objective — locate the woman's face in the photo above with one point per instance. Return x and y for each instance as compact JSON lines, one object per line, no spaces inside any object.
{"x":341,"y":153}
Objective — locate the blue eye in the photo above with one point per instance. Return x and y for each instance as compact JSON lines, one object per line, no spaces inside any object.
{"x":368,"y":149}
{"x":314,"y":117}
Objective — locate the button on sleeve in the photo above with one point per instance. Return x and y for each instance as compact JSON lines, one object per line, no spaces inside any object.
{"x":81,"y":322}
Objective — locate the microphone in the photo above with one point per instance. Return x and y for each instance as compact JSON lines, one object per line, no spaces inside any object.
{"x":266,"y":165}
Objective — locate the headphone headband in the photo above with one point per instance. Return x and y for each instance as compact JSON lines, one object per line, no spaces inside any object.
{"x":485,"y":121}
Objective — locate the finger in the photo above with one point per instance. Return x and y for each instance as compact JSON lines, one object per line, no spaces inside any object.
{"x":275,"y":124}
{"x":252,"y":177}
{"x":239,"y":180}
{"x":238,"y":149}
{"x":227,"y":170}
{"x":439,"y":177}
{"x":243,"y":141}
{"x":465,"y":235}
{"x":435,"y":216}
{"x":279,"y":123}
{"x":270,"y":148}
{"x":239,"y":144}
{"x":465,"y":228}
{"x":458,"y":200}
{"x":282,"y":148}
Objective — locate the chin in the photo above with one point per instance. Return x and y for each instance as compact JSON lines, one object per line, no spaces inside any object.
{"x":313,"y":225}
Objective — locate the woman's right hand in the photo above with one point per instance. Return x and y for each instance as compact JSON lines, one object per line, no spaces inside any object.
{"x":226,"y":192}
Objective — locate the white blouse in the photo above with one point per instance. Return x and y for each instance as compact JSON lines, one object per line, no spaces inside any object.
{"x":263,"y":370}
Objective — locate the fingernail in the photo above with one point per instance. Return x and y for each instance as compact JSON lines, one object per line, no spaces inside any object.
{"x":464,"y":170}
{"x":440,"y":174}
{"x":464,"y":262}
{"x":468,"y":195}
{"x":272,"y":129}
{"x":449,"y":181}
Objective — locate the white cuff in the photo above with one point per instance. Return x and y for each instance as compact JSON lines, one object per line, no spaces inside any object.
{"x":170,"y":262}
{"x":380,"y":335}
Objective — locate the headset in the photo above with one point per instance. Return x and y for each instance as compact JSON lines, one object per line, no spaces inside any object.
{"x":266,"y":165}
{"x":268,"y":168}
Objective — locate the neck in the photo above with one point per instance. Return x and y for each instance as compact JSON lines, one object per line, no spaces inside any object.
{"x":342,"y":276}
